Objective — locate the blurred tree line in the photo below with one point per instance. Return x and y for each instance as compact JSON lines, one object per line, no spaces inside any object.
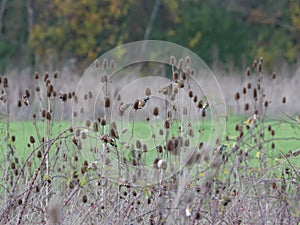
{"x":39,"y":33}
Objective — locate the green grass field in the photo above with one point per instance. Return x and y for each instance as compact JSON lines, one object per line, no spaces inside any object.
{"x":285,"y":137}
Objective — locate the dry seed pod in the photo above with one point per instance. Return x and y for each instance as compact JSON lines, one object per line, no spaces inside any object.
{"x":148,"y":92}
{"x":155,"y":111}
{"x":107,"y":103}
{"x":172,"y":60}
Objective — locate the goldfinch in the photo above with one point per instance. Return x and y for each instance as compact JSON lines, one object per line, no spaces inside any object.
{"x":252,"y":120}
{"x":139,"y":104}
{"x":166,"y":90}
{"x":105,"y":138}
{"x":179,"y":83}
{"x":63,"y":96}
{"x":205,"y":106}
{"x":123,"y":107}
{"x":25,"y":100}
{"x":92,"y":165}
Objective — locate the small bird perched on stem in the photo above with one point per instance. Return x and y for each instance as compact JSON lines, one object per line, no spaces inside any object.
{"x":25,"y":100}
{"x":252,"y":120}
{"x":105,"y":138}
{"x":92,"y":165}
{"x":123,"y":107}
{"x":178,"y":83}
{"x":166,"y":90}
{"x":139,"y":104}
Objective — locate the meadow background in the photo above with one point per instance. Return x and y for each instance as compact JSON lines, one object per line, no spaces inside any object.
{"x":162,"y":170}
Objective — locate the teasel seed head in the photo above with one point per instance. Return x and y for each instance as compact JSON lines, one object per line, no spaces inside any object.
{"x":244,"y":91}
{"x":107,"y":102}
{"x":43,"y":113}
{"x":266,"y":104}
{"x":237,"y":96}
{"x":175,"y":75}
{"x":272,"y":132}
{"x":180,"y":64}
{"x":273,"y":145}
{"x":5,"y":82}
{"x":254,"y":65}
{"x":191,"y":132}
{"x":19,"y":103}
{"x":97,"y":64}
{"x":190,"y":93}
{"x":248,"y":72}
{"x":195,"y":99}
{"x":36,"y":76}
{"x":203,"y":114}
{"x":273,"y":76}
{"x":39,"y":154}
{"x":167,"y":124}
{"x":138,"y":144}
{"x":105,"y":64}
{"x":119,"y":97}
{"x":155,"y":111}
{"x":112,"y":64}
{"x":249,"y":85}
{"x":172,"y":61}
{"x":260,"y":67}
{"x":161,"y":132}
{"x":200,"y":145}
{"x":12,"y":165}
{"x":145,"y":148}
{"x":27,"y":93}
{"x":84,"y":198}
{"x":103,"y":122}
{"x":255,"y":94}
{"x":269,"y":128}
{"x":31,"y":139}
{"x":246,"y":106}
{"x":169,"y":114}
{"x":241,"y":134}
{"x":187,"y":143}
{"x":46,"y":77}
{"x":284,"y":100}
{"x":170,"y":145}
{"x":183,"y":76}
{"x":136,"y":105}
{"x":104,"y":79}
{"x":148,"y":92}
{"x":83,"y":135}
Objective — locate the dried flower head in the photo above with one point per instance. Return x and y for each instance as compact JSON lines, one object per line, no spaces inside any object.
{"x":172,"y":61}
{"x":147,"y":91}
{"x":155,"y":111}
{"x":107,"y":102}
{"x":237,"y":96}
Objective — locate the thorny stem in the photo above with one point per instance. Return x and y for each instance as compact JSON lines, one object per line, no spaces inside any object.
{"x":49,"y":145}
